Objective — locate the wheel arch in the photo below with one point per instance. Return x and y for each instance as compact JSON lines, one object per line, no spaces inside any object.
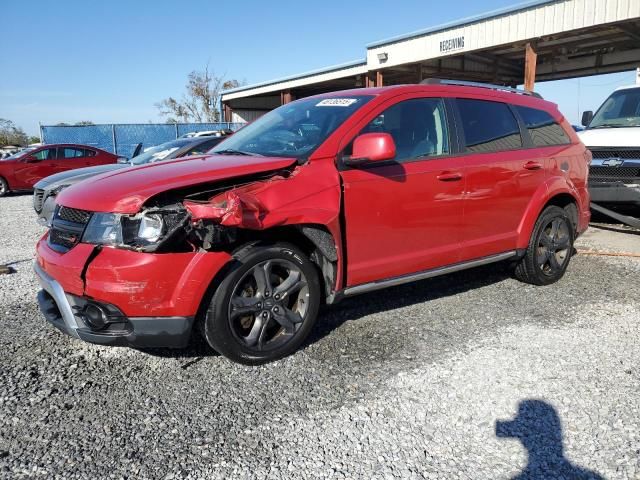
{"x":6,"y":181}
{"x":554,"y":194}
{"x":316,"y":241}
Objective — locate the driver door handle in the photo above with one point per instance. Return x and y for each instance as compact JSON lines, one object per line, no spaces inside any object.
{"x":449,"y":176}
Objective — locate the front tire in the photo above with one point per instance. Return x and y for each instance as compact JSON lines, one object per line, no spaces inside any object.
{"x":550,"y":248}
{"x":265,"y":306}
{"x":4,"y":187}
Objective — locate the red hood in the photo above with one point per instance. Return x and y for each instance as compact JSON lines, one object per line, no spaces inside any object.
{"x":126,"y":190}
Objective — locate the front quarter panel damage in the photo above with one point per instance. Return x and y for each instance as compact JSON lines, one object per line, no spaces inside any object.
{"x":309,"y":195}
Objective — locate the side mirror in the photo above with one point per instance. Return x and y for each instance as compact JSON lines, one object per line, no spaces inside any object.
{"x":586,"y":118}
{"x":31,"y":159}
{"x":372,"y":147}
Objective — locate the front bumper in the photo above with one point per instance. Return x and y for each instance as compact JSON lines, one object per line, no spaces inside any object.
{"x":67,"y":313}
{"x":615,"y":192}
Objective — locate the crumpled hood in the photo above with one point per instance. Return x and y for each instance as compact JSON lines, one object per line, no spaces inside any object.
{"x":611,"y":137}
{"x":74,"y":176}
{"x":126,"y":190}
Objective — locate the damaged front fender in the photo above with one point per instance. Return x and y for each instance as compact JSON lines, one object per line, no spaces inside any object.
{"x":231,"y":209}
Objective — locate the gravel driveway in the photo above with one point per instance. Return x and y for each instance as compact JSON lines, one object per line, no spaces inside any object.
{"x":473,"y":375}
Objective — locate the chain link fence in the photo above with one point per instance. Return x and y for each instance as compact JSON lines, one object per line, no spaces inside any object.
{"x":122,"y":138}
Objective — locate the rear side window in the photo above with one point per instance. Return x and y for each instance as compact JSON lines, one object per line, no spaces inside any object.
{"x":89,"y":153}
{"x":73,"y":153}
{"x":543,"y":129}
{"x":488,"y":126}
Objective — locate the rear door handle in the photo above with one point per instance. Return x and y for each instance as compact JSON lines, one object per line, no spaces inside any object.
{"x":533,"y":165}
{"x":449,"y":176}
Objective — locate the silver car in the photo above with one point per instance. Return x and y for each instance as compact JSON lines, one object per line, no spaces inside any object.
{"x":46,"y":190}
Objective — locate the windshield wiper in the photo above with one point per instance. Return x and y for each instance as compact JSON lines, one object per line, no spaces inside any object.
{"x":232,"y":151}
{"x":611,"y":125}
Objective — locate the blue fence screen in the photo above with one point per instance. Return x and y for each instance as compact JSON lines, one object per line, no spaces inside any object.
{"x":122,"y":138}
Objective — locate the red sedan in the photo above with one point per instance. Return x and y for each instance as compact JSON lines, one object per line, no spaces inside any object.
{"x":22,"y":170}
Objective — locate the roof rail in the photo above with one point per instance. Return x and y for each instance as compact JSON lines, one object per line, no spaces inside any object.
{"x":464,"y":83}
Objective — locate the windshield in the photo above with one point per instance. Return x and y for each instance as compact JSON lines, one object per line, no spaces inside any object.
{"x":20,"y":153}
{"x":159,"y":152}
{"x":621,"y":109}
{"x":293,"y":130}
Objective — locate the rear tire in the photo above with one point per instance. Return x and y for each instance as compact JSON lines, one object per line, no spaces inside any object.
{"x":550,"y":248}
{"x":265,"y":306}
{"x":4,"y":187}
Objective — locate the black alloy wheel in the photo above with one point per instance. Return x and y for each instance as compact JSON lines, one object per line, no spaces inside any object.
{"x":550,"y":248}
{"x":265,"y":306}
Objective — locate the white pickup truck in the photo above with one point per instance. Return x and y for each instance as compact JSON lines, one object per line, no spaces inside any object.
{"x":613,"y":136}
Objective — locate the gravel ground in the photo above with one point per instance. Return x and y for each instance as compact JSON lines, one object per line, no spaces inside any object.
{"x":473,"y":375}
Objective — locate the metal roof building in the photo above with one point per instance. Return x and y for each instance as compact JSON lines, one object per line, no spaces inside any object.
{"x":535,"y":41}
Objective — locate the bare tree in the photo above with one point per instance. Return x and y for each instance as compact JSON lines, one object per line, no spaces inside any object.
{"x":10,"y":134}
{"x":200,"y":101}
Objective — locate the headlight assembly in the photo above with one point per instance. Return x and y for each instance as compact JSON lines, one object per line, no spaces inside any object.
{"x":117,"y":230}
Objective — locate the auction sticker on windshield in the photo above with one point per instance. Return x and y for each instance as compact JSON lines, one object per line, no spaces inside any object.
{"x":336,"y":102}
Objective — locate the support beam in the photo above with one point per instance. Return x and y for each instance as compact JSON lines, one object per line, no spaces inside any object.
{"x":491,"y":60}
{"x":228,"y":113}
{"x":530,"y":59}
{"x":286,"y":97}
{"x":630,"y":32}
{"x":369,"y":82}
{"x":379,"y":78}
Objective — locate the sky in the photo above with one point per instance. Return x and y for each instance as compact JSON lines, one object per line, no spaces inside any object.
{"x":111,"y":61}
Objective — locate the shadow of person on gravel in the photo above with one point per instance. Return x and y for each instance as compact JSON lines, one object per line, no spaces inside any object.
{"x":538,"y":428}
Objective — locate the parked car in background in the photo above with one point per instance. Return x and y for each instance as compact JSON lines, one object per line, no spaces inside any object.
{"x":613,"y":136}
{"x":46,"y":190}
{"x":22,"y":170}
{"x":322,"y":198}
{"x":208,"y":133}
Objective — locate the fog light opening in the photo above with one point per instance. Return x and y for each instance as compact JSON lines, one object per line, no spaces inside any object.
{"x":95,"y":316}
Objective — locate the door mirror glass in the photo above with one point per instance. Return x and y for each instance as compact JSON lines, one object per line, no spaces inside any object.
{"x":372,"y":147}
{"x":586,"y":118}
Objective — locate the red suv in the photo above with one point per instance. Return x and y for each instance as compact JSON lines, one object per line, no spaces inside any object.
{"x":326,"y":197}
{"x":23,"y":170}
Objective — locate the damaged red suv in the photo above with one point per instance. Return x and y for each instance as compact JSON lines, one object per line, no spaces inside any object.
{"x":323,"y":198}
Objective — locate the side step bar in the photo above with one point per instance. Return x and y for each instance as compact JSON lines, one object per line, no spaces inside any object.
{"x":626,"y":219}
{"x":391,"y":282}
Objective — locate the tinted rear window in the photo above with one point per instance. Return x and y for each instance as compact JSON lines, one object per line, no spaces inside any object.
{"x":543,"y":129}
{"x":488,"y":126}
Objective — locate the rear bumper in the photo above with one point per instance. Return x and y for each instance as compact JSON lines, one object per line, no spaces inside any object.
{"x":67,"y":312}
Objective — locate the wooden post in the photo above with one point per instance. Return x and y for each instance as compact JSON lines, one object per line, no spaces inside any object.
{"x":286,"y":97}
{"x":530,"y":59}
{"x":368,"y":81}
{"x":379,"y":78}
{"x":419,"y":73}
{"x":228,"y":113}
